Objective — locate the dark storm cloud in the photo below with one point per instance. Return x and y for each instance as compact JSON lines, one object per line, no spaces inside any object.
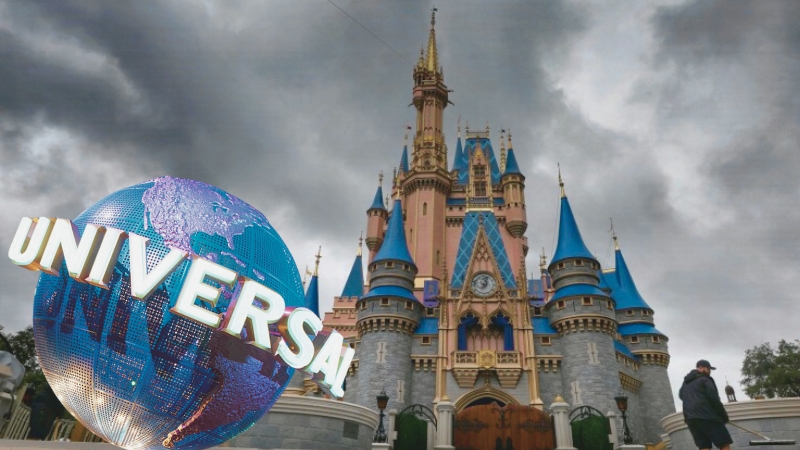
{"x":294,"y":107}
{"x":732,"y":71}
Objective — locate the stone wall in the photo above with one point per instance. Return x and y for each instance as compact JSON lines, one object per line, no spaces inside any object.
{"x":775,"y":418}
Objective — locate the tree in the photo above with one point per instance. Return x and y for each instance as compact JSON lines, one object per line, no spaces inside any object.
{"x":772,"y":372}
{"x":22,"y":346}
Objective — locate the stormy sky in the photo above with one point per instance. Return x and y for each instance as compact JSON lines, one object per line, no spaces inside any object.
{"x":679,"y":119}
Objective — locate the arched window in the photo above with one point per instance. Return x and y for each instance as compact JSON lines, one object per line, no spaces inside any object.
{"x":424,"y":209}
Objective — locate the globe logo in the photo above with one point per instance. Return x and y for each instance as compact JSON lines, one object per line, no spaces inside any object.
{"x":132,"y":371}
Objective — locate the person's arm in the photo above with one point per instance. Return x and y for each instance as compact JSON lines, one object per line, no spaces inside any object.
{"x":713,"y":398}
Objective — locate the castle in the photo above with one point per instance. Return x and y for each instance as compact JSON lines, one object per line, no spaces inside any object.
{"x":448,"y":311}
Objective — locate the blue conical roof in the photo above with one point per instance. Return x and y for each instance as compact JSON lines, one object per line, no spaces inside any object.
{"x":394,"y":245}
{"x":377,"y":202}
{"x":312,"y":295}
{"x":458,"y":163}
{"x":511,"y":164}
{"x":404,"y":159}
{"x":354,"y":287}
{"x":625,"y":294}
{"x":570,"y":242}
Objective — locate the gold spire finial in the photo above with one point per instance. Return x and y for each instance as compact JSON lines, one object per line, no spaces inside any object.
{"x":509,"y":139}
{"x":561,"y":182}
{"x":458,"y":126}
{"x":613,"y":234}
{"x":360,"y":243}
{"x":502,"y":152}
{"x":543,"y":261}
{"x":386,"y":201}
{"x":307,"y":273}
{"x":380,"y":178}
{"x":397,"y":183}
{"x":316,"y":264}
{"x":487,"y":127}
{"x":433,"y":59}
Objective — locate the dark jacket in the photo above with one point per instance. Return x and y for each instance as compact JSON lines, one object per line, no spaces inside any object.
{"x":701,"y":399}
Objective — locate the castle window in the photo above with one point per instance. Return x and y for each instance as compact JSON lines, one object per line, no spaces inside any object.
{"x":537,"y":311}
{"x":384,"y":302}
{"x":424,"y":209}
{"x":363,"y":305}
{"x":587,"y":301}
{"x":429,"y":312}
{"x":634,"y":339}
{"x":629,"y":312}
{"x":645,"y":312}
{"x":337,"y":313}
{"x":426,"y":340}
{"x":480,"y":171}
{"x":560,"y":266}
{"x":545,"y":340}
{"x":595,"y":266}
{"x":609,"y":305}
{"x":351,"y":314}
{"x":560,"y":304}
{"x":656,"y":340}
{"x":389,"y":265}
{"x":406,"y":267}
{"x":578,"y":262}
{"x":480,"y":189}
{"x":409,"y":305}
{"x":437,"y":257}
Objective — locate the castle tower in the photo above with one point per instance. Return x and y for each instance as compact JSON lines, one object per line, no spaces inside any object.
{"x":387,"y":316}
{"x":583,"y":315}
{"x":425,"y":182}
{"x":638,"y":333}
{"x":376,"y":221}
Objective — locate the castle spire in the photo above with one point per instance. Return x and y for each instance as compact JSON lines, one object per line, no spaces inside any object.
{"x":502,"y":152}
{"x":432,"y":60}
{"x":354,"y":286}
{"x":625,"y":294}
{"x":312,"y":294}
{"x":394,"y":242}
{"x":377,"y":202}
{"x":570,"y":243}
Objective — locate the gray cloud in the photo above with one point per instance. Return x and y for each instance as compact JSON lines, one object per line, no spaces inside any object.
{"x":295,"y":109}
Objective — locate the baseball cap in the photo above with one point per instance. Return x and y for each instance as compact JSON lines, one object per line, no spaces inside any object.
{"x":705,"y":363}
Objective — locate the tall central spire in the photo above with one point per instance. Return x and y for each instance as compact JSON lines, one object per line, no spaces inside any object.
{"x":432,"y":59}
{"x":430,"y":97}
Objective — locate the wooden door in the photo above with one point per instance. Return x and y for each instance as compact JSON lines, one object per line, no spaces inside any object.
{"x":511,"y":427}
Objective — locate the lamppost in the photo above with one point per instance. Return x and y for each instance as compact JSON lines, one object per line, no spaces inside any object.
{"x":380,"y":433}
{"x":622,"y":405}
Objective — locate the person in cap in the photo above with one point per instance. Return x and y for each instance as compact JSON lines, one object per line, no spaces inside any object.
{"x":705,"y":416}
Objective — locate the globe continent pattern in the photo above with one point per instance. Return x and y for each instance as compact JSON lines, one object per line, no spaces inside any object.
{"x":138,"y":375}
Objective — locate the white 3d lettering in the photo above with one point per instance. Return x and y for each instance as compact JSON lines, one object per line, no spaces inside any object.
{"x":44,"y":243}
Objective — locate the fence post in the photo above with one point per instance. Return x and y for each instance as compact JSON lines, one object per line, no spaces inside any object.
{"x":612,"y":424}
{"x":560,"y":411}
{"x":444,"y":424}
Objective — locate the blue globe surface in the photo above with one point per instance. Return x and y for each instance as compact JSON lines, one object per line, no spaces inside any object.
{"x":136,"y":374}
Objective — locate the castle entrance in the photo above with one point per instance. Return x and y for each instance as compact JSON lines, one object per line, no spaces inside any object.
{"x":502,"y":427}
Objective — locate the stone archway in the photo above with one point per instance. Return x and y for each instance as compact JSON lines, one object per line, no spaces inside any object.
{"x":486,"y":392}
{"x":490,"y":426}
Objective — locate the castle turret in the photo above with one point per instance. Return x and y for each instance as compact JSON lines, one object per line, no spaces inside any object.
{"x":376,"y":221}
{"x":514,"y":194}
{"x":638,"y":333}
{"x":388,"y":314}
{"x":583,"y":315}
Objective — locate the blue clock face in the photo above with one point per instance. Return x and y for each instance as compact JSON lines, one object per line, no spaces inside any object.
{"x":483,"y":284}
